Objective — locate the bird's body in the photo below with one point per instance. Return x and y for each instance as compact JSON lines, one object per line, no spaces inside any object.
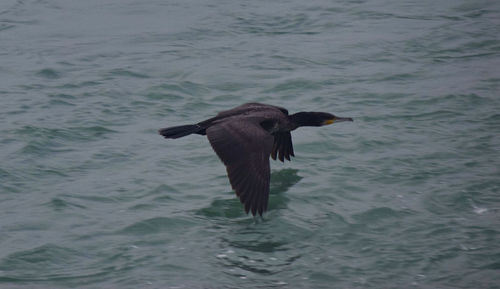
{"x":245,"y":137}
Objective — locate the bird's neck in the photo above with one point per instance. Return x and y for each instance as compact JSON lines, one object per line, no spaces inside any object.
{"x":303,"y":119}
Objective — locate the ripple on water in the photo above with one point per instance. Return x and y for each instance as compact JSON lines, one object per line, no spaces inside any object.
{"x":49,"y":73}
{"x":46,"y":262}
{"x":60,"y":204}
{"x":226,"y":208}
{"x":380,"y":215}
{"x":298,"y":23}
{"x":5,"y":26}
{"x":127,"y":73}
{"x":79,"y":133}
{"x":157,"y":225}
{"x":262,"y":249}
{"x":43,"y":140}
{"x":184,"y":88}
{"x":295,"y":85}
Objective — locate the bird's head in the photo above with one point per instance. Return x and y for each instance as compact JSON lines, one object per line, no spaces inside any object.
{"x":316,"y":118}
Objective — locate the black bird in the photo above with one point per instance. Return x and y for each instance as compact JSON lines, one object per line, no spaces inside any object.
{"x":244,"y":137}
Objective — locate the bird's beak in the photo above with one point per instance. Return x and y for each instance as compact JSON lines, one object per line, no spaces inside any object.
{"x":337,"y":119}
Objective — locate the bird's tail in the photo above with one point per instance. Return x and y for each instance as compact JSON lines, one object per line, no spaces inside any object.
{"x":179,"y":131}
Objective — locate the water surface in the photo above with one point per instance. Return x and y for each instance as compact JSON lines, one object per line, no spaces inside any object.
{"x":406,"y":196}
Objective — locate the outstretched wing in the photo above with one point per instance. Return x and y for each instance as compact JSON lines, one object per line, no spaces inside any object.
{"x":282,"y":146}
{"x":244,"y":147}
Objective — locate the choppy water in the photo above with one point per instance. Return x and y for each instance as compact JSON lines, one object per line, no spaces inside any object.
{"x":406,"y":196}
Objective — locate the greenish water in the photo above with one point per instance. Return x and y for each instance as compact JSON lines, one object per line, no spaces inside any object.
{"x":406,"y":196}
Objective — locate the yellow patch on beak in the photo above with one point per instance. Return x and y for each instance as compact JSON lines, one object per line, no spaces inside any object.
{"x":329,"y":121}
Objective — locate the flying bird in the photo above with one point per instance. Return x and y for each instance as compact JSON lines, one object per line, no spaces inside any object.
{"x":245,"y":137}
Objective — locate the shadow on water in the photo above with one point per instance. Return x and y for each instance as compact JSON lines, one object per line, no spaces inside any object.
{"x":281,"y":181}
{"x":231,"y":208}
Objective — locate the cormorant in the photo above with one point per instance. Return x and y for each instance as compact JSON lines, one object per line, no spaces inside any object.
{"x":244,"y":137}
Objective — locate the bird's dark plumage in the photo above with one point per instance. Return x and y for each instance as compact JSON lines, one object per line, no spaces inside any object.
{"x":245,"y":137}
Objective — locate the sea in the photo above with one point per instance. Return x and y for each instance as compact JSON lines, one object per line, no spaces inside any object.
{"x":405,"y":196}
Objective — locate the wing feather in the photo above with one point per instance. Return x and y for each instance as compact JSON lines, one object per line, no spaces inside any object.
{"x":282,"y":147}
{"x":244,"y":147}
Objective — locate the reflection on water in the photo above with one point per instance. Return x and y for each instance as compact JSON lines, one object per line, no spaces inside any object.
{"x":264,"y":245}
{"x":281,"y":181}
